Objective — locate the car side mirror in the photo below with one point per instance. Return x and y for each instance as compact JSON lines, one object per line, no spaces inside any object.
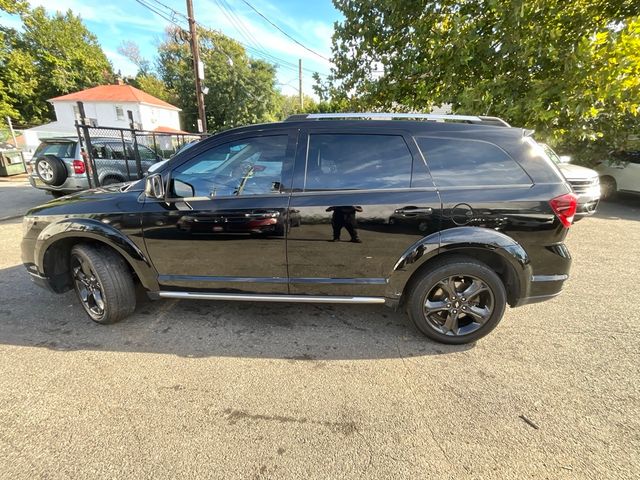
{"x":154,"y":186}
{"x":565,"y":159}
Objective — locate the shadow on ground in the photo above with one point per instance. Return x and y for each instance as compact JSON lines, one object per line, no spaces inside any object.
{"x":622,"y":206}
{"x":30,"y":316}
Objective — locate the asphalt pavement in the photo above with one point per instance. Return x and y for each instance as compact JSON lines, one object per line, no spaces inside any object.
{"x":239,"y":390}
{"x":17,"y":196}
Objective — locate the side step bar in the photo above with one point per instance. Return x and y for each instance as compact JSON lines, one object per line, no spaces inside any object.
{"x":269,"y":298}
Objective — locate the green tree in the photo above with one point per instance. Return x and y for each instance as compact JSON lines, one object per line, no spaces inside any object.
{"x":51,"y":56}
{"x":14,"y":6}
{"x":287,"y":105}
{"x":146,"y":79}
{"x":570,"y":70}
{"x":241,"y":90}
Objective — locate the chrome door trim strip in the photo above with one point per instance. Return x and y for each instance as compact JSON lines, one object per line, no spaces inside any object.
{"x":269,"y":298}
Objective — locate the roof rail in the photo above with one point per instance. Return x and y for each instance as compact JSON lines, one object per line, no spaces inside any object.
{"x":496,"y":121}
{"x":385,"y":116}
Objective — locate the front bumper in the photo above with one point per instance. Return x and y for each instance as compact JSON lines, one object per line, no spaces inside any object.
{"x":37,"y":278}
{"x":587,"y":205}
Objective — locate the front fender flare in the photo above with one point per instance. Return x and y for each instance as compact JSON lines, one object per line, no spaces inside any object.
{"x":452,"y":240}
{"x":74,"y":228}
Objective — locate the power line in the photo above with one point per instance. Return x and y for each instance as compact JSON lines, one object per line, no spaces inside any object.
{"x":284,"y":32}
{"x":159,"y":13}
{"x":256,"y":50}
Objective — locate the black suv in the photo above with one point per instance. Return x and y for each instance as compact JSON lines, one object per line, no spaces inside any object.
{"x":447,"y":217}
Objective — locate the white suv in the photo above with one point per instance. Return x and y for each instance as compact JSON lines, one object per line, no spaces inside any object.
{"x":620,"y":175}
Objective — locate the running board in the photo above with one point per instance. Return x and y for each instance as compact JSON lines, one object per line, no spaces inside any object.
{"x":269,"y":298}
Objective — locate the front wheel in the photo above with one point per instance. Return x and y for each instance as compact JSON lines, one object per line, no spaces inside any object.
{"x":103,"y":283}
{"x":459,"y":301}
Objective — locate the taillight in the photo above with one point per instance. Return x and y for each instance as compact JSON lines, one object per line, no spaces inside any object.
{"x":78,"y":166}
{"x":565,"y":207}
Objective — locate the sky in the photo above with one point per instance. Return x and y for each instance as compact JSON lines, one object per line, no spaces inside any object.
{"x":308,"y":21}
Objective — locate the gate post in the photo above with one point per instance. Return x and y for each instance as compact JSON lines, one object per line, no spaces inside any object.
{"x":135,"y":143}
{"x":91,"y":164}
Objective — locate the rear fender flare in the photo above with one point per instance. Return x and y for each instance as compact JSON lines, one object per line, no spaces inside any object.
{"x":85,"y":228}
{"x":460,"y":239}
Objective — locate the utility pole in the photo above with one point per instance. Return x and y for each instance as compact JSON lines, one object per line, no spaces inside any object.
{"x":198,"y":67}
{"x":300,"y":84}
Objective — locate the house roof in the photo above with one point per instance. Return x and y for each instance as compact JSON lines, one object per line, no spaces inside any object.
{"x":53,"y":127}
{"x":163,"y":129}
{"x":113,"y":93}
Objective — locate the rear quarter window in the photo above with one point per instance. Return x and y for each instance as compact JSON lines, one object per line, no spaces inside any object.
{"x":467,"y":163}
{"x":59,"y":149}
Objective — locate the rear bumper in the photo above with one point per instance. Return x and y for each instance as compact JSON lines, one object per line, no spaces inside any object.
{"x":71,"y":184}
{"x":543,"y":288}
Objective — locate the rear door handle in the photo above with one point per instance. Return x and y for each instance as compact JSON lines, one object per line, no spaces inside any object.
{"x":425,"y":210}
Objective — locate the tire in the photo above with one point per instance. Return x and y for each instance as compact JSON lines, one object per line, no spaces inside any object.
{"x":608,"y":187}
{"x":100,"y":270}
{"x":489,"y":304}
{"x":51,"y":170}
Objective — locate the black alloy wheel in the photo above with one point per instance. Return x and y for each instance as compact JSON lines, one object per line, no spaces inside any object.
{"x":457,"y":300}
{"x":88,"y":287}
{"x":458,"y":305}
{"x":103,"y":283}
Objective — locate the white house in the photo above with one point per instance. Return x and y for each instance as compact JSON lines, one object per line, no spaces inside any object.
{"x":107,"y":106}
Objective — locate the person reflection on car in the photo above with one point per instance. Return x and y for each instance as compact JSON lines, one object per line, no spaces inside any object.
{"x":345,"y":216}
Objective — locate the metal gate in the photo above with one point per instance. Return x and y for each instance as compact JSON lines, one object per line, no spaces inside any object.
{"x":114,"y":155}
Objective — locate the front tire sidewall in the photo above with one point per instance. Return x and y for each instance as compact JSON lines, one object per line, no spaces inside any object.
{"x":116,"y":284}
{"x":422,"y":288}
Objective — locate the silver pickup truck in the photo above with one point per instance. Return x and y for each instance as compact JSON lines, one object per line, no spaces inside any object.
{"x":58,"y":165}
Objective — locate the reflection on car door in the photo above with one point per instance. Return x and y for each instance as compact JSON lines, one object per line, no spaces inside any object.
{"x":352,"y":191}
{"x":224,"y":228}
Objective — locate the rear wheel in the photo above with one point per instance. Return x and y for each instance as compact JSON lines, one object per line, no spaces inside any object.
{"x":459,"y":300}
{"x":608,"y":187}
{"x":103,"y":283}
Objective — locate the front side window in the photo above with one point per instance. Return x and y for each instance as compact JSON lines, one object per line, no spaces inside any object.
{"x":467,"y":163}
{"x":357,"y":162}
{"x":100,"y":151}
{"x":146,"y":154}
{"x":251,"y":166}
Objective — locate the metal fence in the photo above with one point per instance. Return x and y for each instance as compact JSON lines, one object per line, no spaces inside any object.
{"x":114,"y":155}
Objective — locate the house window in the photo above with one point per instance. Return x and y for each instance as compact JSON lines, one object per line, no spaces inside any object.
{"x":119,"y":112}
{"x":76,"y":112}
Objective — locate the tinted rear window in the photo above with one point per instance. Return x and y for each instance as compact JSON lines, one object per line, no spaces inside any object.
{"x":354,"y":161}
{"x":59,"y":149}
{"x":456,"y":162}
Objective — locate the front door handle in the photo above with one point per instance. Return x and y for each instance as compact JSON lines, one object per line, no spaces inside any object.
{"x":425,"y":210}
